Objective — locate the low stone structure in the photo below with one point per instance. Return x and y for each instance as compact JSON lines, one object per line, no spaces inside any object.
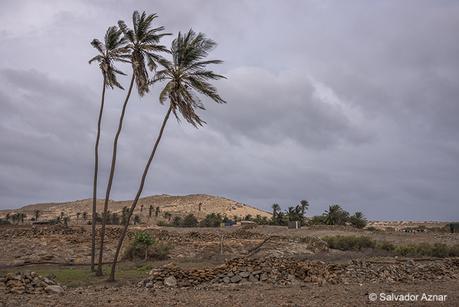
{"x":283,"y":271}
{"x":29,"y":282}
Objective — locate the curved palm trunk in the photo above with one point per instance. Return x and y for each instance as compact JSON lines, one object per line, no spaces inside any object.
{"x":110,"y":178}
{"x":139,"y":192}
{"x":94,"y":190}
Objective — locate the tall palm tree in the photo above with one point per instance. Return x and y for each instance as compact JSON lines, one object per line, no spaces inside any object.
{"x":184,"y":76}
{"x":143,"y":46}
{"x":110,"y":51}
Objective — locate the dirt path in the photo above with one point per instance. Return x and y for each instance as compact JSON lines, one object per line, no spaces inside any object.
{"x":241,"y":295}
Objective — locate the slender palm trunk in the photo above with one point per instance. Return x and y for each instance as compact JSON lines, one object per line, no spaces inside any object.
{"x":96,"y":169}
{"x":139,"y":192}
{"x":110,"y":178}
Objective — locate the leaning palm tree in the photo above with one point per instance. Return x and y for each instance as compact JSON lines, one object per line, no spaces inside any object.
{"x":143,"y":46}
{"x":184,"y":76}
{"x":111,"y":50}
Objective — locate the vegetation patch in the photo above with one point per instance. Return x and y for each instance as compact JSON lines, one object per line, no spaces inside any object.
{"x":346,"y":243}
{"x":147,"y":248}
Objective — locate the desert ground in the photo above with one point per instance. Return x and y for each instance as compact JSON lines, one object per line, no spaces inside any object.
{"x":293,"y":268}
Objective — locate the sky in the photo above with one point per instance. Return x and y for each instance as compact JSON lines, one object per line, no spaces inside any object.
{"x":337,"y":102}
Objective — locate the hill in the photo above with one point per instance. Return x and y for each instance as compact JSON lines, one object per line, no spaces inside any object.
{"x":198,"y":204}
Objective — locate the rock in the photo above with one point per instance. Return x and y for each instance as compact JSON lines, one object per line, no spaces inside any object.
{"x":54,"y":289}
{"x":244,"y":274}
{"x":149,"y":285}
{"x":170,"y":281}
{"x":236,"y":279}
{"x":226,"y":280}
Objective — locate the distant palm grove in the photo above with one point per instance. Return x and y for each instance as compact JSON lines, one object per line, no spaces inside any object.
{"x":182,"y":72}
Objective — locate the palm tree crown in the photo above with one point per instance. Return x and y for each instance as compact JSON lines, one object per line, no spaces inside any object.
{"x":113,"y":49}
{"x":143,"y":43}
{"x":187,"y":74}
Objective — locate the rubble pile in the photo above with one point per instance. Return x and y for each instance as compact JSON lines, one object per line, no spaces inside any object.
{"x":284,"y":271}
{"x":29,"y":282}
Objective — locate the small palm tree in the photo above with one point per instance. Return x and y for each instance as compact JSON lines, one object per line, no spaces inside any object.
{"x":36,"y":214}
{"x":143,"y":46}
{"x":150,"y":211}
{"x":276,"y":209}
{"x":110,"y":51}
{"x":184,"y":76}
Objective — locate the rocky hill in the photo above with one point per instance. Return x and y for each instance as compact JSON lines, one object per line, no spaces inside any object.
{"x":198,"y":204}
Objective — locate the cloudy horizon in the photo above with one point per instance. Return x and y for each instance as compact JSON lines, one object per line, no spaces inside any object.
{"x":354,"y":103}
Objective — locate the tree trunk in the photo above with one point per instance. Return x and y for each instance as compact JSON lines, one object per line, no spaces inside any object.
{"x":139,"y":192}
{"x":110,"y":178}
{"x":94,"y":190}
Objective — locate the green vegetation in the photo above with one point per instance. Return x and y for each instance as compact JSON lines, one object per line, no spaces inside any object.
{"x":412,"y":250}
{"x":349,"y":242}
{"x":145,"y":247}
{"x":335,"y":215}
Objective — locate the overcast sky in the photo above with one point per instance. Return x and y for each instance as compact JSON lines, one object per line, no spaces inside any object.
{"x":348,"y":102}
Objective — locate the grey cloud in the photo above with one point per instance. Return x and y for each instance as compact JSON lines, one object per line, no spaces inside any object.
{"x":333,"y":101}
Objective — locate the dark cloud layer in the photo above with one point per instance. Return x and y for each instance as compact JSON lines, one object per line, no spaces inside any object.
{"x":346,"y":102}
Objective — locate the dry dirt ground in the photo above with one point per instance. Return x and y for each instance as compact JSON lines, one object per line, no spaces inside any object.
{"x":26,"y":248}
{"x":254,"y":295}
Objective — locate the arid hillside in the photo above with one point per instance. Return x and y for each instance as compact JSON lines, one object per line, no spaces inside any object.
{"x":198,"y":204}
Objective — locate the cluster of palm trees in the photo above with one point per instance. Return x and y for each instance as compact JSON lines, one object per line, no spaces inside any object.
{"x":183,"y":76}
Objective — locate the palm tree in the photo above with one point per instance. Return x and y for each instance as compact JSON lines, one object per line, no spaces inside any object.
{"x":111,"y":50}
{"x":304,"y":204}
{"x":150,"y":211}
{"x":276,"y":208}
{"x":157,"y":210}
{"x":335,"y":215}
{"x":142,"y":45}
{"x":36,"y":214}
{"x":185,"y":76}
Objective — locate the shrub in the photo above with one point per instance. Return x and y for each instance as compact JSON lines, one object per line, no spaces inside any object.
{"x":160,"y":251}
{"x":145,"y":247}
{"x":387,"y":246}
{"x":318,"y":220}
{"x":163,"y":223}
{"x":349,"y":242}
{"x":411,"y":250}
{"x":212,"y":220}
{"x":4,"y":222}
{"x":190,"y":221}
{"x":177,"y":221}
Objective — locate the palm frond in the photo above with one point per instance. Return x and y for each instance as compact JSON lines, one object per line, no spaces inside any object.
{"x":187,"y":75}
